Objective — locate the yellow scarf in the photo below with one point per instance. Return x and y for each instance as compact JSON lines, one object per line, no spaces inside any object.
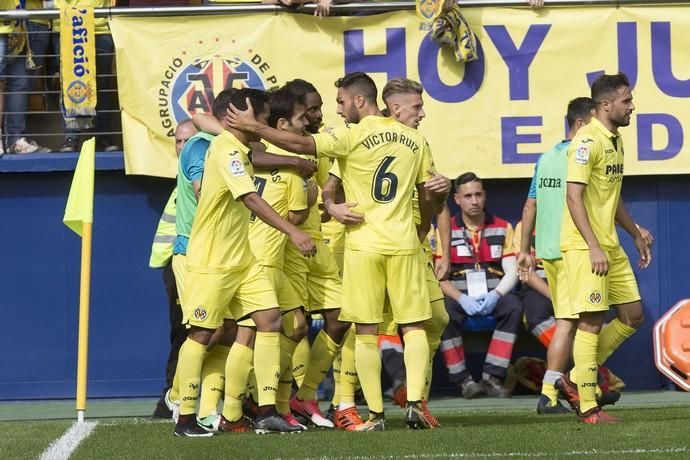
{"x":78,"y":66}
{"x":452,"y":29}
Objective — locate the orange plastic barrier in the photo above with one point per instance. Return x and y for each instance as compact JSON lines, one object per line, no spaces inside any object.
{"x":672,"y":344}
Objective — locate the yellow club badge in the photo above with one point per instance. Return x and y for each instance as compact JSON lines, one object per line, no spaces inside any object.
{"x":429,"y":10}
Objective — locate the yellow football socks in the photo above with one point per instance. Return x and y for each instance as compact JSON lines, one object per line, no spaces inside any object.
{"x":416,"y":362}
{"x":368,"y":363}
{"x":611,"y":337}
{"x":212,"y":380}
{"x":287,"y":348}
{"x":337,"y":364}
{"x":348,"y":372}
{"x":175,"y":389}
{"x":321,"y":357}
{"x":585,"y":356}
{"x":548,"y":386}
{"x":434,"y":343}
{"x":299,"y":361}
{"x":238,"y":367}
{"x":189,"y":363}
{"x":267,"y":366}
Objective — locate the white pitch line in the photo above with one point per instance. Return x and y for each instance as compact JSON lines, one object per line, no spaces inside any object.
{"x":573,"y":453}
{"x":62,"y":448}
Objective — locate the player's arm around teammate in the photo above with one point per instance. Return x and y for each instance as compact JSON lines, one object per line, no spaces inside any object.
{"x":261,"y":159}
{"x":342,"y":212}
{"x":227,"y":281}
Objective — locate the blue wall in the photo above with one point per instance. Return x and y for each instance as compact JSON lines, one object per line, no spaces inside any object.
{"x":39,"y":277}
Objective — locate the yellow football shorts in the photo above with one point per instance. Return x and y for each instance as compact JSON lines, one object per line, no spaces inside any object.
{"x":213,"y":297}
{"x":367,"y":277}
{"x":179,"y":266}
{"x":557,"y":279}
{"x":439,"y":315}
{"x":287,"y":297}
{"x":334,"y":237}
{"x":589,"y":292}
{"x":316,"y":280}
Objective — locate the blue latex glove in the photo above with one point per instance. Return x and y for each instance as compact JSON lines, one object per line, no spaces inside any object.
{"x":469,"y":304}
{"x":317,"y":323}
{"x":487,"y":302}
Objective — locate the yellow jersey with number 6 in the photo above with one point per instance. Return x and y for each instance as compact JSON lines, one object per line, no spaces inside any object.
{"x":380,"y":162}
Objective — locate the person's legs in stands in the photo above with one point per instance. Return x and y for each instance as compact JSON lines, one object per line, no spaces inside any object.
{"x":3,"y":60}
{"x":16,"y":102}
{"x":107,"y":97}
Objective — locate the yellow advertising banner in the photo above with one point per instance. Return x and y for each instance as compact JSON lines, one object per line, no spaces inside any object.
{"x":492,"y":116}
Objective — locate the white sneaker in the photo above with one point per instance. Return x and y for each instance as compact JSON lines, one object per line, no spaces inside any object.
{"x":22,"y":145}
{"x":173,"y":406}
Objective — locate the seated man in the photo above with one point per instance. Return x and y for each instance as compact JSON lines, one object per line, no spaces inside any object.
{"x":483,"y":272}
{"x":536,"y":299}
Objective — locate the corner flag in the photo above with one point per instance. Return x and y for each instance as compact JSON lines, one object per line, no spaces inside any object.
{"x":79,"y":208}
{"x":79,"y":218}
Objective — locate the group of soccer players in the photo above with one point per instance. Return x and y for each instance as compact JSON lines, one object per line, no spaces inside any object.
{"x":245,"y":289}
{"x":252,"y":258}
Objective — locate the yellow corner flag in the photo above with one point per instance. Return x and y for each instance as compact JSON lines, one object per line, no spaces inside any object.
{"x":79,"y":209}
{"x":79,"y":217}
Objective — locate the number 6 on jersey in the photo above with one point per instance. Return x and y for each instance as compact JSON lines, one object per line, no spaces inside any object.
{"x":385,"y":184}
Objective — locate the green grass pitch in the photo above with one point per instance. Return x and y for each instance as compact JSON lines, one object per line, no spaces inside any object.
{"x":495,"y":429}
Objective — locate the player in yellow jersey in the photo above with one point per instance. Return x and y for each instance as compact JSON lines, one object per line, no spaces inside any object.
{"x":382,"y":161}
{"x":224,"y":280}
{"x":403,"y":98}
{"x":404,"y":102}
{"x":318,"y":282}
{"x":286,"y":192}
{"x":598,"y":271}
{"x":189,"y":185}
{"x":333,"y":234}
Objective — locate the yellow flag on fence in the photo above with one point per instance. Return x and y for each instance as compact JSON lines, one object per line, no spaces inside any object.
{"x":79,"y":209}
{"x":78,"y":66}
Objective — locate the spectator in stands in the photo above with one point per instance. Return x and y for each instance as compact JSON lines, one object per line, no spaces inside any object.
{"x":138,"y":3}
{"x":105,"y":81}
{"x":483,"y":274}
{"x":536,"y":298}
{"x":323,"y":7}
{"x":5,"y":29}
{"x":43,"y":43}
{"x":161,"y":257}
{"x":17,"y":86}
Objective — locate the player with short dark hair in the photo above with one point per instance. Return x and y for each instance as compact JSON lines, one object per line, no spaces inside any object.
{"x":483,"y":274}
{"x":223,"y":275}
{"x":544,"y":207}
{"x":317,"y":282}
{"x":598,"y":271}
